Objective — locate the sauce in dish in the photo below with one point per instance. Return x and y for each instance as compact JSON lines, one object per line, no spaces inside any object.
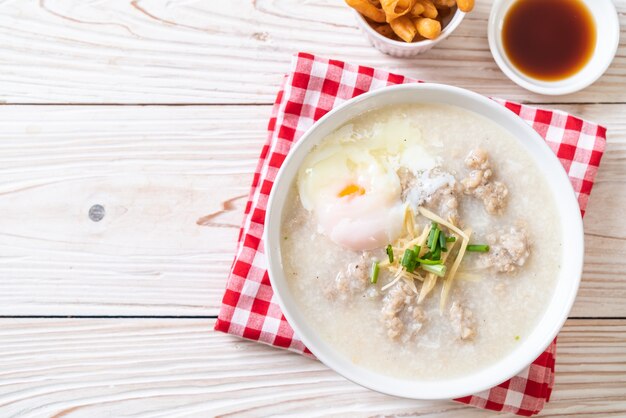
{"x":421,"y":241}
{"x":549,"y":39}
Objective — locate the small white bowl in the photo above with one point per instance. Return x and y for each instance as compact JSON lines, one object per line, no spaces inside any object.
{"x":571,"y":260}
{"x":408,"y":49}
{"x":607,"y":40}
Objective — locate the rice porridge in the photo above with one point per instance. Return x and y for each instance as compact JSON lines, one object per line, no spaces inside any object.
{"x":421,"y":241}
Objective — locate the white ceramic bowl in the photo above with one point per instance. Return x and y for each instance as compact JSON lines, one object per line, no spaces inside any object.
{"x":407,"y":49}
{"x":607,"y":40}
{"x":569,"y":216}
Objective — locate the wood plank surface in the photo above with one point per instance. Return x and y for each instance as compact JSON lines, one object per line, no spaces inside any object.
{"x":157,"y":51}
{"x":174,"y":368}
{"x":172,"y":182}
{"x":159,"y":171}
{"x":156,"y":171}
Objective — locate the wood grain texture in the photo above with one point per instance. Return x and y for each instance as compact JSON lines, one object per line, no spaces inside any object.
{"x":173,"y":181}
{"x":174,"y":368}
{"x":158,"y":172}
{"x":158,"y":51}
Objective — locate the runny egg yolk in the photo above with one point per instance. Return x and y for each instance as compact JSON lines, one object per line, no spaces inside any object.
{"x":351,"y":189}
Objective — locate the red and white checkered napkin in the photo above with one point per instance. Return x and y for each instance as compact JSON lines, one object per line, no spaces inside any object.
{"x":312,"y":88}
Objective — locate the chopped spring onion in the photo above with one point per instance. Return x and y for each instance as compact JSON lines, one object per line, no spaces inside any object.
{"x":478,"y":248}
{"x":435,"y":242}
{"x":406,"y":257}
{"x":429,"y":262}
{"x":442,"y":242}
{"x":437,"y":270}
{"x":450,"y":239}
{"x":431,"y":279}
{"x":431,"y":235}
{"x":433,"y":255}
{"x":390,"y":253}
{"x":375,"y":271}
{"x":409,"y":260}
{"x":417,"y":250}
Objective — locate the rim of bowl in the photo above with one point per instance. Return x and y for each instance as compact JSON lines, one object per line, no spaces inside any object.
{"x":494,"y":33}
{"x":456,"y":20}
{"x":493,"y":374}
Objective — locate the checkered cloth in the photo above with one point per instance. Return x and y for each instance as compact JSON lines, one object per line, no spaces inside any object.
{"x":313,"y":87}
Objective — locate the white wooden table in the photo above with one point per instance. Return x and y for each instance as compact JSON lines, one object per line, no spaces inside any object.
{"x":156,"y":110}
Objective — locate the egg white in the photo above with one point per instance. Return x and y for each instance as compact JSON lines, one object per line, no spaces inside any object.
{"x":349,"y":182}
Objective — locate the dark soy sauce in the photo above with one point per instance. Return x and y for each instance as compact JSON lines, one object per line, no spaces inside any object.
{"x":549,"y":39}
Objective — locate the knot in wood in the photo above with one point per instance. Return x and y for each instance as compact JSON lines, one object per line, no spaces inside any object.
{"x":96,"y":213}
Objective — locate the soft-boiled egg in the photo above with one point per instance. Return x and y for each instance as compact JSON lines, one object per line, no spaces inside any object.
{"x":349,"y":182}
{"x":356,"y":199}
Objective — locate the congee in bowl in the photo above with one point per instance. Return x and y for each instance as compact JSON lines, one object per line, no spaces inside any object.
{"x":424,"y":242}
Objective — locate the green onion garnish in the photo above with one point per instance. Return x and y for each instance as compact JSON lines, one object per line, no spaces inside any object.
{"x":442,"y":241}
{"x":450,"y":239}
{"x":429,"y":262}
{"x":478,"y":248}
{"x":417,"y":249}
{"x":437,"y":254}
{"x":435,"y":242}
{"x":406,"y":257}
{"x":437,"y":270}
{"x":431,"y":235}
{"x":409,"y":260}
{"x":375,"y":270}
{"x":412,"y":263}
{"x":390,"y":253}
